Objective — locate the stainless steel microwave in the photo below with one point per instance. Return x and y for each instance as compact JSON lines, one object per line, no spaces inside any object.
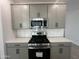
{"x":40,"y":22}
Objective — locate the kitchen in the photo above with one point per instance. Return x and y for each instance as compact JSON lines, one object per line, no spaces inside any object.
{"x":17,"y":33}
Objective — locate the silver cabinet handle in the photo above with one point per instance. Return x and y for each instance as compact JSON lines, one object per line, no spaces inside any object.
{"x":17,"y":51}
{"x":17,"y":45}
{"x":60,"y":50}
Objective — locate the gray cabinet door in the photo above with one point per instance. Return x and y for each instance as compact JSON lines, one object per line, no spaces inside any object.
{"x":60,"y":53}
{"x":20,"y":16}
{"x":23,"y":53}
{"x":56,"y":16}
{"x":38,"y":11}
{"x":12,"y":53}
{"x":17,"y":53}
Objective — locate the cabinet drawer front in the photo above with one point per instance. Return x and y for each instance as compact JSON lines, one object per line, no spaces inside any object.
{"x":61,"y":44}
{"x":16,"y":44}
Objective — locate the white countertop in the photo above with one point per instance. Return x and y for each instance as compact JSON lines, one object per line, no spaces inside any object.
{"x":51,"y":39}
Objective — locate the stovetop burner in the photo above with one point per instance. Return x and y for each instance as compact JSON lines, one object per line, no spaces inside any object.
{"x":39,"y":39}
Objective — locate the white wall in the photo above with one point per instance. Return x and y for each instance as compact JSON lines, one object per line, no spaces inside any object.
{"x":1,"y":38}
{"x":5,"y":23}
{"x":6,"y":19}
{"x":72,"y":21}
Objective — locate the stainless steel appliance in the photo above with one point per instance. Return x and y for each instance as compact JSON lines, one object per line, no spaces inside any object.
{"x":39,"y":26}
{"x":40,"y":22}
{"x":39,"y":45}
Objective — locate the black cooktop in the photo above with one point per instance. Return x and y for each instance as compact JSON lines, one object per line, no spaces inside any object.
{"x":39,"y":39}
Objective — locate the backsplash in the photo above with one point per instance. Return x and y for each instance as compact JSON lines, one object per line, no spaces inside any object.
{"x":50,"y":33}
{"x":55,"y":32}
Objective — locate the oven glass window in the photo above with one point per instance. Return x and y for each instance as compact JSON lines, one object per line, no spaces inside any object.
{"x":39,"y":54}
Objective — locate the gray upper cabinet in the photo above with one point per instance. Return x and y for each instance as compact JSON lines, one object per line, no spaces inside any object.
{"x":20,"y":16}
{"x":38,"y":11}
{"x":56,"y":16}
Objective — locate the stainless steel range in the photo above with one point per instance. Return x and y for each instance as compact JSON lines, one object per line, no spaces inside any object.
{"x":39,"y":45}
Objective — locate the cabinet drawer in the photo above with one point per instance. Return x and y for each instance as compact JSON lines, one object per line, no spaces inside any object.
{"x":67,"y":44}
{"x":16,"y":44}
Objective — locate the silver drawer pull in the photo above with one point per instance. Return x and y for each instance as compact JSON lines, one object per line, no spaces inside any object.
{"x":61,"y":44}
{"x":60,"y":50}
{"x":17,"y":45}
{"x":17,"y":51}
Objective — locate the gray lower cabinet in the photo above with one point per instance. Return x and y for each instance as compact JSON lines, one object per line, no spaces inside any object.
{"x":12,"y":53}
{"x":17,"y":51}
{"x":23,"y":53}
{"x":20,"y":51}
{"x":60,"y":52}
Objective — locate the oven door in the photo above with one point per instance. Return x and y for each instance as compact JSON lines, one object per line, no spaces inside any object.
{"x":39,"y":53}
